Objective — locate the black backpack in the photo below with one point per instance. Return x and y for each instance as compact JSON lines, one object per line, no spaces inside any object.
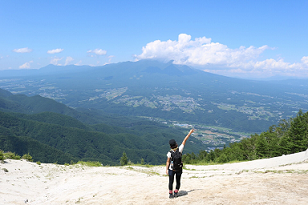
{"x":176,"y":157}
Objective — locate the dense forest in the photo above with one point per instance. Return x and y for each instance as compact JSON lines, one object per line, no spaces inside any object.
{"x":52,"y":137}
{"x":289,"y":136}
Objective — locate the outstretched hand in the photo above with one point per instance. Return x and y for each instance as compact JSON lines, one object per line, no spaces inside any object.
{"x":186,"y":138}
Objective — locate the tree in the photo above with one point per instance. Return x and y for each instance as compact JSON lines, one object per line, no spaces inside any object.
{"x":261,"y":146}
{"x":202,"y":154}
{"x":142,"y":161}
{"x":222,"y":158}
{"x":124,"y":159}
{"x":298,"y":133}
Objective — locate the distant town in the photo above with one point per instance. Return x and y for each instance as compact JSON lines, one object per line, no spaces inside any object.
{"x":212,"y":137}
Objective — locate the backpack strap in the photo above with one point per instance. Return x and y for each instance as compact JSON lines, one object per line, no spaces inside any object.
{"x":171,"y":153}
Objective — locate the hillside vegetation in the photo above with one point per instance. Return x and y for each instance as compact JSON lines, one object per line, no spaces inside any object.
{"x":51,"y":136}
{"x":54,"y":137}
{"x":289,"y":136}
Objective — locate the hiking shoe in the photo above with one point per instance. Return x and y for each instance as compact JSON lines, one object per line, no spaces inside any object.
{"x":176,"y":194}
{"x":171,"y":196}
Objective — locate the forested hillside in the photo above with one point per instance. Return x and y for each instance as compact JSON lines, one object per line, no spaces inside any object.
{"x":99,"y":142}
{"x":53,"y":137}
{"x":289,"y":136}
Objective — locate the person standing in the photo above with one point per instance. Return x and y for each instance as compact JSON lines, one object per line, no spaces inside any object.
{"x":174,"y":165}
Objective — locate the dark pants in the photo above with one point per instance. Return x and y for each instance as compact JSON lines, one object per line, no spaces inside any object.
{"x":178,"y":179}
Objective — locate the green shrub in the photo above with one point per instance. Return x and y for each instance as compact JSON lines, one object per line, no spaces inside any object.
{"x":1,"y":155}
{"x":11,"y":155}
{"x":27,"y":157}
{"x":38,"y":162}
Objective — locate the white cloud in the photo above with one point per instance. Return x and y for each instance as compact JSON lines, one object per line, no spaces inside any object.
{"x":110,"y":58}
{"x":68,"y":60}
{"x":25,"y":65}
{"x":200,"y":51}
{"x":305,"y":60}
{"x":218,"y":58}
{"x":98,"y":52}
{"x":58,"y":50}
{"x":55,"y":60}
{"x":22,"y":50}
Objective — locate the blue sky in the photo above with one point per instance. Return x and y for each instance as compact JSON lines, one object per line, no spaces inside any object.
{"x":246,"y":39}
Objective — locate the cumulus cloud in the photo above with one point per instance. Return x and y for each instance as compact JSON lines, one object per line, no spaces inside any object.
{"x":22,"y":50}
{"x":55,"y":60}
{"x":58,"y":50}
{"x":305,"y":60}
{"x":201,"y":51}
{"x":68,"y":60}
{"x":218,"y":58}
{"x":98,"y":52}
{"x":25,"y":65}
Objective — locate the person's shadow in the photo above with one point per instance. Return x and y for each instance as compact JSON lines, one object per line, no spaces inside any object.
{"x":184,"y":193}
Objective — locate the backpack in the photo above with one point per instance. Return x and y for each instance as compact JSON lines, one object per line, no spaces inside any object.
{"x":176,"y":157}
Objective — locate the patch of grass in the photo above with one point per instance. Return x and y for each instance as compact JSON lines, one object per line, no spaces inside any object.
{"x":216,"y":163}
{"x":90,"y":163}
{"x":194,"y":177}
{"x":142,"y":165}
{"x":151,"y":173}
{"x":288,"y":171}
{"x":185,"y":168}
{"x":148,"y":172}
{"x":130,"y":168}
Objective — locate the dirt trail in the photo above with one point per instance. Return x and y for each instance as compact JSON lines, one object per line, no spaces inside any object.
{"x":274,"y":181}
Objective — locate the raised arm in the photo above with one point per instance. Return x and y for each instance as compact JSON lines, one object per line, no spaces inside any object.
{"x":186,"y":138}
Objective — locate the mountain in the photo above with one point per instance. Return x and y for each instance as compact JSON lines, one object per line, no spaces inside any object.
{"x":47,"y":70}
{"x":54,"y":133}
{"x":167,"y":91}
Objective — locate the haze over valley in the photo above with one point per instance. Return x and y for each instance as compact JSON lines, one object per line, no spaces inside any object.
{"x":163,"y":90}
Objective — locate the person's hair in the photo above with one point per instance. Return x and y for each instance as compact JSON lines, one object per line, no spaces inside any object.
{"x":173,"y":146}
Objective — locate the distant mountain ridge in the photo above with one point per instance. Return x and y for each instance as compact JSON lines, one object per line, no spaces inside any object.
{"x":168,"y":91}
{"x":47,"y":70}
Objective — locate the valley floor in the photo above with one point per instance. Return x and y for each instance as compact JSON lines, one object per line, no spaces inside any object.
{"x":280,"y":180}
